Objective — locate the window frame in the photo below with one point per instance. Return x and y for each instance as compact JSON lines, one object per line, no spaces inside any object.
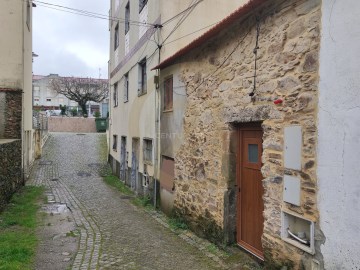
{"x":126,"y":87}
{"x":168,"y":97}
{"x":116,"y":37}
{"x":115,"y":143}
{"x":142,"y":4}
{"x":148,"y":153}
{"x":116,"y":94}
{"x":127,"y":17}
{"x":142,"y":90}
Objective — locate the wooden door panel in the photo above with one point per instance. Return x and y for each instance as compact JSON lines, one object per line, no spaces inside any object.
{"x":250,"y":203}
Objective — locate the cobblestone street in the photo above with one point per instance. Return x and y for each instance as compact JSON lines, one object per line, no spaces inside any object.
{"x":112,"y":233}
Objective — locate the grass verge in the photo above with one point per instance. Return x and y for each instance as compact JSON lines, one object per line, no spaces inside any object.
{"x":17,"y":229}
{"x":114,"y":181}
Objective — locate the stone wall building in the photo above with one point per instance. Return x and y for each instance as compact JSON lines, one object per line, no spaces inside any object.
{"x":254,"y":143}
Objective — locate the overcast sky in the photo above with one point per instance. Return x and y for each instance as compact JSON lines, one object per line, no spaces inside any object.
{"x":69,"y":44}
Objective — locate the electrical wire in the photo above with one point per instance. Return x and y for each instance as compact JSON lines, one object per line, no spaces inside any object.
{"x":87,"y":13}
{"x":192,"y":7}
{"x":182,"y":12}
{"x":191,"y":33}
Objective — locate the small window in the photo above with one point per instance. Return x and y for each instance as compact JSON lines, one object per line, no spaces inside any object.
{"x":142,"y":77}
{"x":126,"y":87}
{"x":148,"y":150}
{"x":115,"y":142}
{"x":48,"y":99}
{"x":168,"y":94}
{"x":115,"y":94}
{"x":142,"y":4}
{"x":116,"y":37}
{"x":36,"y":99}
{"x":253,"y":153}
{"x":127,"y":18}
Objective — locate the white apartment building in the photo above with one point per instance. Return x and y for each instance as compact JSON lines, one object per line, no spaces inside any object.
{"x":45,"y":98}
{"x":142,"y":34}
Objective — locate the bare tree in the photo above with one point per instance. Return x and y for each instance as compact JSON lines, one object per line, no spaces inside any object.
{"x":81,"y":90}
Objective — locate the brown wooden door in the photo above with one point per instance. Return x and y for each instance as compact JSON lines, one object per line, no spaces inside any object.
{"x":250,"y":206}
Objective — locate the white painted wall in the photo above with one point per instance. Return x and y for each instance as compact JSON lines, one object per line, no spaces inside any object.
{"x":339,"y":134}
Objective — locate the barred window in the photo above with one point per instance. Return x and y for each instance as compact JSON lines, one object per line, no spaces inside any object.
{"x":126,"y":87}
{"x":142,"y":77}
{"x":115,"y":142}
{"x":115,"y":94}
{"x":127,"y":18}
{"x":116,"y":37}
{"x":148,"y":146}
{"x":168,"y":94}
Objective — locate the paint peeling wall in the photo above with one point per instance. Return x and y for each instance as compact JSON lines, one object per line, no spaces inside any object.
{"x":338,"y":167}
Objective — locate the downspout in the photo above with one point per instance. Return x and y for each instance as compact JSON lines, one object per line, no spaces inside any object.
{"x":157,"y":120}
{"x":23,"y":95}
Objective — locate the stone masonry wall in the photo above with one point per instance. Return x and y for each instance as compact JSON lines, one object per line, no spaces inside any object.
{"x":10,"y":169}
{"x":11,"y":113}
{"x":219,"y":79}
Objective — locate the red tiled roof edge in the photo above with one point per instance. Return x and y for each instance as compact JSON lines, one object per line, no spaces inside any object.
{"x":249,"y":6}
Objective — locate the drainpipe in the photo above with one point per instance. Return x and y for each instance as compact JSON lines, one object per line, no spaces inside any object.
{"x":23,"y":97}
{"x":157,"y":124}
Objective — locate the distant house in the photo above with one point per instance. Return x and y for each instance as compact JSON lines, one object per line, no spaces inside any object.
{"x":264,"y":108}
{"x":44,"y":98}
{"x":16,"y":131}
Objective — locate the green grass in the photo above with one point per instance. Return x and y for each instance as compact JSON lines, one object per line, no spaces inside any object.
{"x":177,"y":223}
{"x":17,"y":229}
{"x":115,"y":182}
{"x":144,"y":201}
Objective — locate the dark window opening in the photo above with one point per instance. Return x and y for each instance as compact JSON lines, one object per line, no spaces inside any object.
{"x":126,"y":87}
{"x":142,"y":77}
{"x":142,"y":4}
{"x":115,"y":95}
{"x":168,"y":94}
{"x":127,"y":18}
{"x":148,"y":146}
{"x":116,"y":37}
{"x":115,"y":142}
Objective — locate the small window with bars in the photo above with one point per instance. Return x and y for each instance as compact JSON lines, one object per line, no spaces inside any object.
{"x":115,"y":139}
{"x":115,"y":94}
{"x":126,"y":87}
{"x":116,"y":37}
{"x":168,"y":94}
{"x":142,"y":77}
{"x":148,"y":150}
{"x":127,"y":18}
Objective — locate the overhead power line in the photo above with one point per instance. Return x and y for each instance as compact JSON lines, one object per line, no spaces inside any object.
{"x":86,"y":13}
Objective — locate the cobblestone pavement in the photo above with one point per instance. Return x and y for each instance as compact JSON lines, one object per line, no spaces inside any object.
{"x":113,"y":234}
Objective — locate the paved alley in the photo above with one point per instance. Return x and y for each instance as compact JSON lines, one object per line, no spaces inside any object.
{"x":112,"y":233}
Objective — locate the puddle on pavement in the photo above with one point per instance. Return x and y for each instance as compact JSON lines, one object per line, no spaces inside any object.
{"x":55,"y":208}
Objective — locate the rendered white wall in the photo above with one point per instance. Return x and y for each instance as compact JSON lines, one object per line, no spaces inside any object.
{"x":339,"y":134}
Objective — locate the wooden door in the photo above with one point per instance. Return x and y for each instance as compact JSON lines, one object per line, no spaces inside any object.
{"x":250,"y":206}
